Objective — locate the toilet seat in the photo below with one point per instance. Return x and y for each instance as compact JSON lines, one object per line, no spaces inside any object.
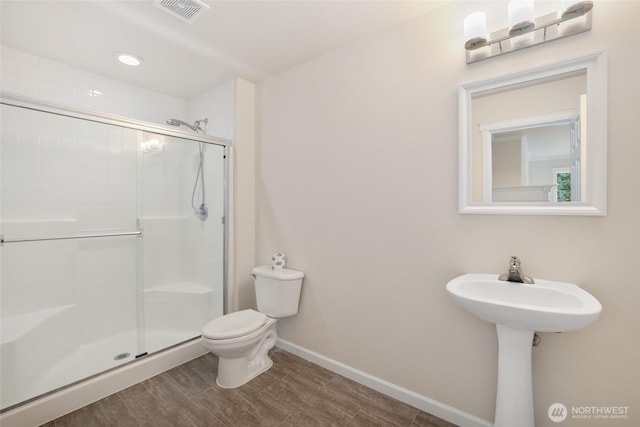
{"x":233,"y":325}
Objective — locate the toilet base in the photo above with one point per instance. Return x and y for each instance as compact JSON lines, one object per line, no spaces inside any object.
{"x":234,"y":372}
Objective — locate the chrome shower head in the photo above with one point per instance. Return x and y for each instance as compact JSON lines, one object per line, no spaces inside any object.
{"x":176,"y":122}
{"x":194,"y":127}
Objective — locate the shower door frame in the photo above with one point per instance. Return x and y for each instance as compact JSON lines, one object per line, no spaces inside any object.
{"x":20,"y":101}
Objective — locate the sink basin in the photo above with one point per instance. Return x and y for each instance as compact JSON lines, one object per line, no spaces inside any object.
{"x":518,"y":310}
{"x":545,"y":306}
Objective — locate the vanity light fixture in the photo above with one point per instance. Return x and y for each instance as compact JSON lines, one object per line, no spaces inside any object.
{"x":573,"y":18}
{"x":129,"y":59}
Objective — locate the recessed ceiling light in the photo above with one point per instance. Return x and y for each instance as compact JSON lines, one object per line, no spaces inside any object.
{"x":129,"y":59}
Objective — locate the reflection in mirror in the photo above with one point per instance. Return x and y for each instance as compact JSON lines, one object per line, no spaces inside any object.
{"x":533,"y":165}
{"x":524,"y":145}
{"x":523,"y":153}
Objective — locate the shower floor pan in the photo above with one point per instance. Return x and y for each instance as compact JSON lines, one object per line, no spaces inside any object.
{"x":36,"y":358}
{"x":86,"y":360}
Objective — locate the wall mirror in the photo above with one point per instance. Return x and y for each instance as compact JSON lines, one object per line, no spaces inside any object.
{"x":534,"y":141}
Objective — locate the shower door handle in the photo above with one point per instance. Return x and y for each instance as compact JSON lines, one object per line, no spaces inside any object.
{"x":70,"y":236}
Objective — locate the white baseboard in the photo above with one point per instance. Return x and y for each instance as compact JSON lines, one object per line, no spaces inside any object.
{"x":409,"y":397}
{"x":69,"y":399}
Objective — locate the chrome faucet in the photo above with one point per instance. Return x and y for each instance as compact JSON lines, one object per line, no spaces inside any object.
{"x":515,"y":273}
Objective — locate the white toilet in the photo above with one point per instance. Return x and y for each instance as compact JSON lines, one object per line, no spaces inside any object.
{"x":242,"y":340}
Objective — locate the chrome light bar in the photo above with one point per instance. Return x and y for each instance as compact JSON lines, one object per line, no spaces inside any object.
{"x":554,"y":26}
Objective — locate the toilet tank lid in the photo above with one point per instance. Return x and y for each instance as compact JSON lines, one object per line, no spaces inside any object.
{"x":284,"y":274}
{"x":234,"y":324}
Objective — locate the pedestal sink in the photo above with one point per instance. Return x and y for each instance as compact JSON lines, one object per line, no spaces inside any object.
{"x":518,"y":310}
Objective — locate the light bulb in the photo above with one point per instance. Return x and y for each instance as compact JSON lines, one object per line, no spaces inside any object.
{"x":573,"y":8}
{"x":520,"y":15}
{"x":475,"y":30}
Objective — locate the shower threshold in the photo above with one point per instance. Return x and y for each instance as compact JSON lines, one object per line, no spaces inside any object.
{"x":87,"y":361}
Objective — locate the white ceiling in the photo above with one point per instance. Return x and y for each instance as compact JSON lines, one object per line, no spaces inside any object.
{"x":249,"y":39}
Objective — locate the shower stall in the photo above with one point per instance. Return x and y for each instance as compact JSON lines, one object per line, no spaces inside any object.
{"x":105,"y":254}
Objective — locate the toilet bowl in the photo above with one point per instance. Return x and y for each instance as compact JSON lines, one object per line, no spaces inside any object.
{"x":242,"y":352}
{"x":242,"y":339}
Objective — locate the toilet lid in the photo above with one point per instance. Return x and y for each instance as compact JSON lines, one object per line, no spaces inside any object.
{"x":234,"y":324}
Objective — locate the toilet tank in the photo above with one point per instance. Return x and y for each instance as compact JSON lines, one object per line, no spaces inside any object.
{"x":277,"y":291}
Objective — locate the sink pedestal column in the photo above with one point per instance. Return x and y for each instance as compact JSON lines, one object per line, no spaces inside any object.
{"x":514,"y":401}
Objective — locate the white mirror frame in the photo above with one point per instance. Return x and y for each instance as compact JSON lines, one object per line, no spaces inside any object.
{"x":596,"y":204}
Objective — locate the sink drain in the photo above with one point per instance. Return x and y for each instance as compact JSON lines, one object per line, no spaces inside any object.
{"x":121,"y":356}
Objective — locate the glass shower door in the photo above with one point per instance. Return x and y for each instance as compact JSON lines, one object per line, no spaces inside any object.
{"x":68,"y":258}
{"x":105,"y":254}
{"x":183,"y":249}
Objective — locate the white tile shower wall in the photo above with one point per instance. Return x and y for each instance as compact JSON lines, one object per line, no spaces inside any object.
{"x":41,"y":78}
{"x":57,"y":168}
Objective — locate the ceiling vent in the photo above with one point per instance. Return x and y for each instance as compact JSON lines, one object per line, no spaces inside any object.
{"x":187,"y":10}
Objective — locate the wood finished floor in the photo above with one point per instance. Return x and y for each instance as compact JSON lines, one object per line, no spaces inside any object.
{"x":294,"y":392}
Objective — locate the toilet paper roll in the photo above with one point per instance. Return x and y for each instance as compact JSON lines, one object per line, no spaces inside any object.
{"x":278,"y":261}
